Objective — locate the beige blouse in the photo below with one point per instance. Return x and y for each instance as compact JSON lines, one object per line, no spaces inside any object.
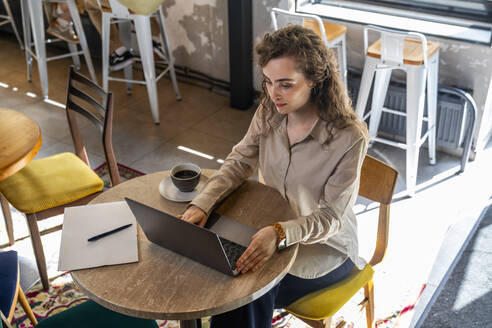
{"x":317,"y":176}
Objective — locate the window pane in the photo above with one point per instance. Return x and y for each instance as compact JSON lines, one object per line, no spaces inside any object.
{"x":478,"y":10}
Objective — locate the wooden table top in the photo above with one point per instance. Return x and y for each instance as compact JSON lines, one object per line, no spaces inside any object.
{"x":412,"y":51}
{"x":165,"y":285}
{"x":20,"y":141}
{"x":332,"y":31}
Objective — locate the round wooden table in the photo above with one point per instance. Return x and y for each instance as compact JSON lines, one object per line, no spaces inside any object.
{"x":166,"y":285}
{"x":20,"y":141}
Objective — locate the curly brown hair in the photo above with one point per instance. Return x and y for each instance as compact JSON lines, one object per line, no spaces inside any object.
{"x":318,"y":64}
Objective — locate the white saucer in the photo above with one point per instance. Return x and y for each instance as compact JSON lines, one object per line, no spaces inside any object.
{"x":169,"y":191}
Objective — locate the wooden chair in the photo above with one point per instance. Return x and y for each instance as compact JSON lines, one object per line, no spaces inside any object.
{"x":46,"y":186}
{"x":377,"y":183}
{"x":10,"y":290}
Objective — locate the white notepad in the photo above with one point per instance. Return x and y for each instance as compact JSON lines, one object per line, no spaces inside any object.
{"x":83,"y":222}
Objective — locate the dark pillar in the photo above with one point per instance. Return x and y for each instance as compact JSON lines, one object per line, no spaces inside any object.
{"x":241,"y":53}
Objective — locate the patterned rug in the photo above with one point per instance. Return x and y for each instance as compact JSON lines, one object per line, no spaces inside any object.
{"x":126,"y":173}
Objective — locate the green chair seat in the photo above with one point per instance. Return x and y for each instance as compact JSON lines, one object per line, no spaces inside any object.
{"x":91,"y":314}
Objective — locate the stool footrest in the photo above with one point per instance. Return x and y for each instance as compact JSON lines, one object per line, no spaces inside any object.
{"x":390,"y":142}
{"x":117,"y":79}
{"x":396,"y":112}
{"x":70,"y":54}
{"x":400,"y":144}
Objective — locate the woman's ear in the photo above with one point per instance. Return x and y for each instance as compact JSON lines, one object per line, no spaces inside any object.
{"x":311,"y":84}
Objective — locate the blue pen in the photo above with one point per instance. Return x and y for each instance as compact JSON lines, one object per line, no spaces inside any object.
{"x":104,"y":234}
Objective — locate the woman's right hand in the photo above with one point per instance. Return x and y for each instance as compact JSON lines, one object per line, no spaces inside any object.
{"x":194,"y":214}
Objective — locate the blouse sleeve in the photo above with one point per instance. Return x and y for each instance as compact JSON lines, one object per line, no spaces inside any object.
{"x":240,"y":164}
{"x":339,"y":193}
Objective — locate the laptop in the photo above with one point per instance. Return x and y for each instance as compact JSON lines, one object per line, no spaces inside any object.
{"x":209,"y":246}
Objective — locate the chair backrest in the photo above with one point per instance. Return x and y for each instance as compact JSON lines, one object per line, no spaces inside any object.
{"x":393,"y":44}
{"x":81,"y":98}
{"x":277,"y":11}
{"x":377,"y":183}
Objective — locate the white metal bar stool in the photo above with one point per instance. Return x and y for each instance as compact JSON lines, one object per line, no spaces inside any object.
{"x":32,"y":18}
{"x":9,"y":19}
{"x":121,"y":15}
{"x":332,"y":34}
{"x":411,"y":52}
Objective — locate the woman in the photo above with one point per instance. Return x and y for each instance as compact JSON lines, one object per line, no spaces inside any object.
{"x":309,"y":145}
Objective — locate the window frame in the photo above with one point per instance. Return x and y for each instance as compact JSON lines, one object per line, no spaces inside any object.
{"x":440,"y":26}
{"x":433,"y":8}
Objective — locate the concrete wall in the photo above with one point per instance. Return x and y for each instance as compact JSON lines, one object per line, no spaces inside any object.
{"x":198,"y":35}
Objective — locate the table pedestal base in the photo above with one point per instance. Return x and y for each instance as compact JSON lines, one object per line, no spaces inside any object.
{"x":197,"y":323}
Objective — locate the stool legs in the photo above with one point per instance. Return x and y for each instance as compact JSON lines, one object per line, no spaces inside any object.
{"x":378,"y":96}
{"x":75,"y":57}
{"x":342,"y":58}
{"x":432,"y":86}
{"x":37,"y":26}
{"x":365,"y":86}
{"x":32,"y":17}
{"x":125,"y":31}
{"x":144,"y":39}
{"x":416,"y":77}
{"x":12,"y":22}
{"x":106,"y":20}
{"x":145,"y":45}
{"x":72,"y":7}
{"x":26,"y":28}
{"x":170,"y":61}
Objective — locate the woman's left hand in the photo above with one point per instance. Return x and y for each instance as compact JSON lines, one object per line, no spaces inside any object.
{"x":263,"y":245}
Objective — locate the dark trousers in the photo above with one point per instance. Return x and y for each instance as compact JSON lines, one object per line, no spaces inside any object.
{"x":259,"y":313}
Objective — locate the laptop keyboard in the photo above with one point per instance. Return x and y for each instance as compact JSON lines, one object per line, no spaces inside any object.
{"x":233,"y":251}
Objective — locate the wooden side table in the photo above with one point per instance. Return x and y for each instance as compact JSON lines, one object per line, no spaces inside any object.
{"x":166,"y":285}
{"x":20,"y":141}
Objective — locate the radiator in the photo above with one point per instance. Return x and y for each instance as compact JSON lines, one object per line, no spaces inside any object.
{"x":450,"y":112}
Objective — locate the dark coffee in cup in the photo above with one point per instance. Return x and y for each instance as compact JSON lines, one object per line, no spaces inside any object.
{"x":185,"y":176}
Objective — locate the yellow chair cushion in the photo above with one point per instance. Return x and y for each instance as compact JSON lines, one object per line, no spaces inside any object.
{"x":326,"y":302}
{"x":50,"y":182}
